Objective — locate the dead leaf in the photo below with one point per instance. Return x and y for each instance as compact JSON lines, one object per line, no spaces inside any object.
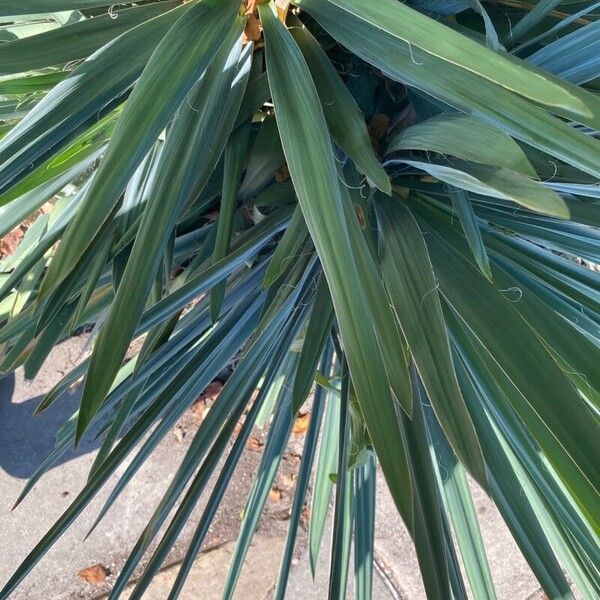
{"x":201,"y":406}
{"x":301,"y":424}
{"x":275,"y":494}
{"x":282,"y":174}
{"x":197,"y":410}
{"x":305,"y":517}
{"x":212,"y":391}
{"x":253,"y":29}
{"x":360,"y":215}
{"x":282,"y":9}
{"x":254,"y":444}
{"x":96,"y":574}
{"x":251,"y":7}
{"x":10,"y":242}
{"x":378,"y":126}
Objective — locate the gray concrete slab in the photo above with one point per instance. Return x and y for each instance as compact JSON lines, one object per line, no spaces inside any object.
{"x":257,"y":580}
{"x":24,"y":441}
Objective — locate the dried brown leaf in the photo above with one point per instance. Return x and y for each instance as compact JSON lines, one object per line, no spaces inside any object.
{"x":96,"y":574}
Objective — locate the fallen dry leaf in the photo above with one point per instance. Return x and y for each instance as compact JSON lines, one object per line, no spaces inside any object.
{"x":200,"y":408}
{"x":301,"y":424}
{"x":254,"y":444}
{"x":212,"y":391}
{"x":305,"y":517}
{"x":96,"y":574}
{"x":178,"y":433}
{"x":197,"y":410}
{"x":275,"y":494}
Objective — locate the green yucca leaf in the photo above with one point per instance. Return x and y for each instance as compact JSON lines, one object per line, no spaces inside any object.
{"x":14,"y":213}
{"x":364,"y":527}
{"x":266,"y":154}
{"x":279,"y":434}
{"x":457,"y":499}
{"x":459,"y":88}
{"x":412,"y":289}
{"x":565,"y":448}
{"x":184,"y":166}
{"x":226,"y":409}
{"x":308,"y":456}
{"x":17,"y":7}
{"x":342,"y":114}
{"x":532,"y":18}
{"x":293,"y":239}
{"x":233,"y":162}
{"x":316,"y":181}
{"x":499,"y":183}
{"x":418,"y":31}
{"x":31,"y":83}
{"x":429,"y":535}
{"x":339,"y":566}
{"x":468,"y":219}
{"x":171,"y":73}
{"x":326,"y":465}
{"x":317,"y":331}
{"x":378,"y":201}
{"x":464,"y":137}
{"x":518,"y":512}
{"x":216,"y":359}
{"x":75,"y":41}
{"x":573,"y":57}
{"x":100,"y":80}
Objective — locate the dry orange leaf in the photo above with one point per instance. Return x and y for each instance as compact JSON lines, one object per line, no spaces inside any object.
{"x":301,"y":424}
{"x":275,"y":494}
{"x":96,"y":574}
{"x":9,"y":243}
{"x":212,"y":391}
{"x":254,"y":444}
{"x":253,"y":29}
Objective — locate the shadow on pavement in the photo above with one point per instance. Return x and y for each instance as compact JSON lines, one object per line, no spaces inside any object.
{"x":25,"y":440}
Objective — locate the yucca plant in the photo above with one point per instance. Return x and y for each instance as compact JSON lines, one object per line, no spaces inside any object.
{"x":392,"y":203}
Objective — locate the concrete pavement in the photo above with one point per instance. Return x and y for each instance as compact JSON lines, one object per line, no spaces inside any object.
{"x":24,"y":442}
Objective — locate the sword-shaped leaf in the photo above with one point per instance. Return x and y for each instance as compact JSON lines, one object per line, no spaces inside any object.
{"x":311,"y":162}
{"x":416,"y":30}
{"x":498,"y":183}
{"x":412,"y":288}
{"x":342,"y":114}
{"x":193,"y":147}
{"x":171,"y":73}
{"x":465,"y":137}
{"x":75,"y":41}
